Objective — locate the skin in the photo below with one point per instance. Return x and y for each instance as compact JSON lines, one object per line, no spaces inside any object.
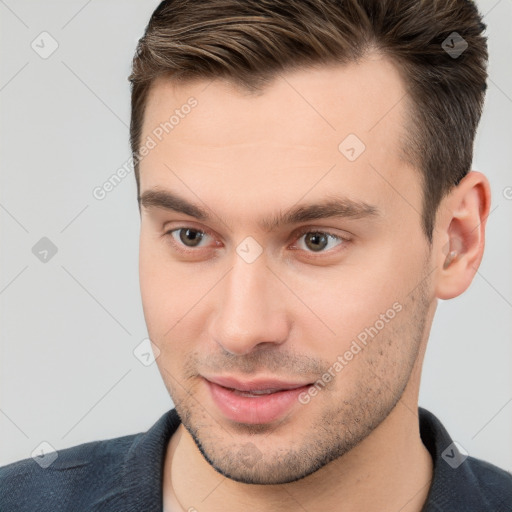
{"x":292,"y":311}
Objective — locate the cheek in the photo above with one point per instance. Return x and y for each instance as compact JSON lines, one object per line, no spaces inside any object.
{"x":347,"y":299}
{"x":157,"y":283}
{"x":174,"y":294}
{"x":350,"y":303}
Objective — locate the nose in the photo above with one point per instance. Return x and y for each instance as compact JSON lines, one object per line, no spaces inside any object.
{"x":251,"y":310}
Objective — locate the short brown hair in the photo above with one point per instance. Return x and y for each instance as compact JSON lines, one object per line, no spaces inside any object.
{"x":249,"y":42}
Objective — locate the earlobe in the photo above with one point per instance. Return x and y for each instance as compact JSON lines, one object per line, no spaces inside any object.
{"x":461,"y":234}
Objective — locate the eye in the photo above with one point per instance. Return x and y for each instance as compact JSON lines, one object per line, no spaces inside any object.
{"x":187,"y":239}
{"x":187,"y":236}
{"x":319,"y":241}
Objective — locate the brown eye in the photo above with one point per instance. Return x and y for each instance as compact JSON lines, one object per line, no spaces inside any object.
{"x":188,"y":240}
{"x":316,"y":241}
{"x":190,"y":237}
{"x":311,"y":241}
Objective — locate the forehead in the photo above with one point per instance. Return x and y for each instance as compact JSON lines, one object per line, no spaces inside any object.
{"x":300,"y":126}
{"x":334,"y":97}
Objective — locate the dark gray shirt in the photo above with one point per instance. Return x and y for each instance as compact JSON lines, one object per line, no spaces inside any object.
{"x":124,"y":474}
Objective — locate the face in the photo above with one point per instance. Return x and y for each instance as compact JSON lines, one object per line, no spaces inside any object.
{"x":284,"y":282}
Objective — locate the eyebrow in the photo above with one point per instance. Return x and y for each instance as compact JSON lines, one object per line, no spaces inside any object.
{"x":332,"y":206}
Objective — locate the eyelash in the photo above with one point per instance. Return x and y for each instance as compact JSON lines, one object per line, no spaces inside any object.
{"x":297,"y":235}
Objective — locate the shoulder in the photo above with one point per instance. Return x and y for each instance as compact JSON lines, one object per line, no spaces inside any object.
{"x":79,"y":474}
{"x":494,"y":484}
{"x":123,"y":473}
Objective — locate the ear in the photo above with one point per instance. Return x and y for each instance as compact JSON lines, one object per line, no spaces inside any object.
{"x":460,"y":234}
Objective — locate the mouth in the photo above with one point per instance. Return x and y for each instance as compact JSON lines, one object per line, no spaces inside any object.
{"x":255,"y":392}
{"x":255,"y":401}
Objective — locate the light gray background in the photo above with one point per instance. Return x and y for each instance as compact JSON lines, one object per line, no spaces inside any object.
{"x":69,"y":326}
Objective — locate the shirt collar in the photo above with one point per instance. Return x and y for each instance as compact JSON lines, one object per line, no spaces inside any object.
{"x":139,"y":483}
{"x":457,"y":480}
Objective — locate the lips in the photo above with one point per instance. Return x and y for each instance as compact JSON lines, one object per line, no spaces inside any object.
{"x":254,"y":401}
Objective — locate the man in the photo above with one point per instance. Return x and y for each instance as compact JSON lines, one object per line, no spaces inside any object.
{"x":304,"y":184}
